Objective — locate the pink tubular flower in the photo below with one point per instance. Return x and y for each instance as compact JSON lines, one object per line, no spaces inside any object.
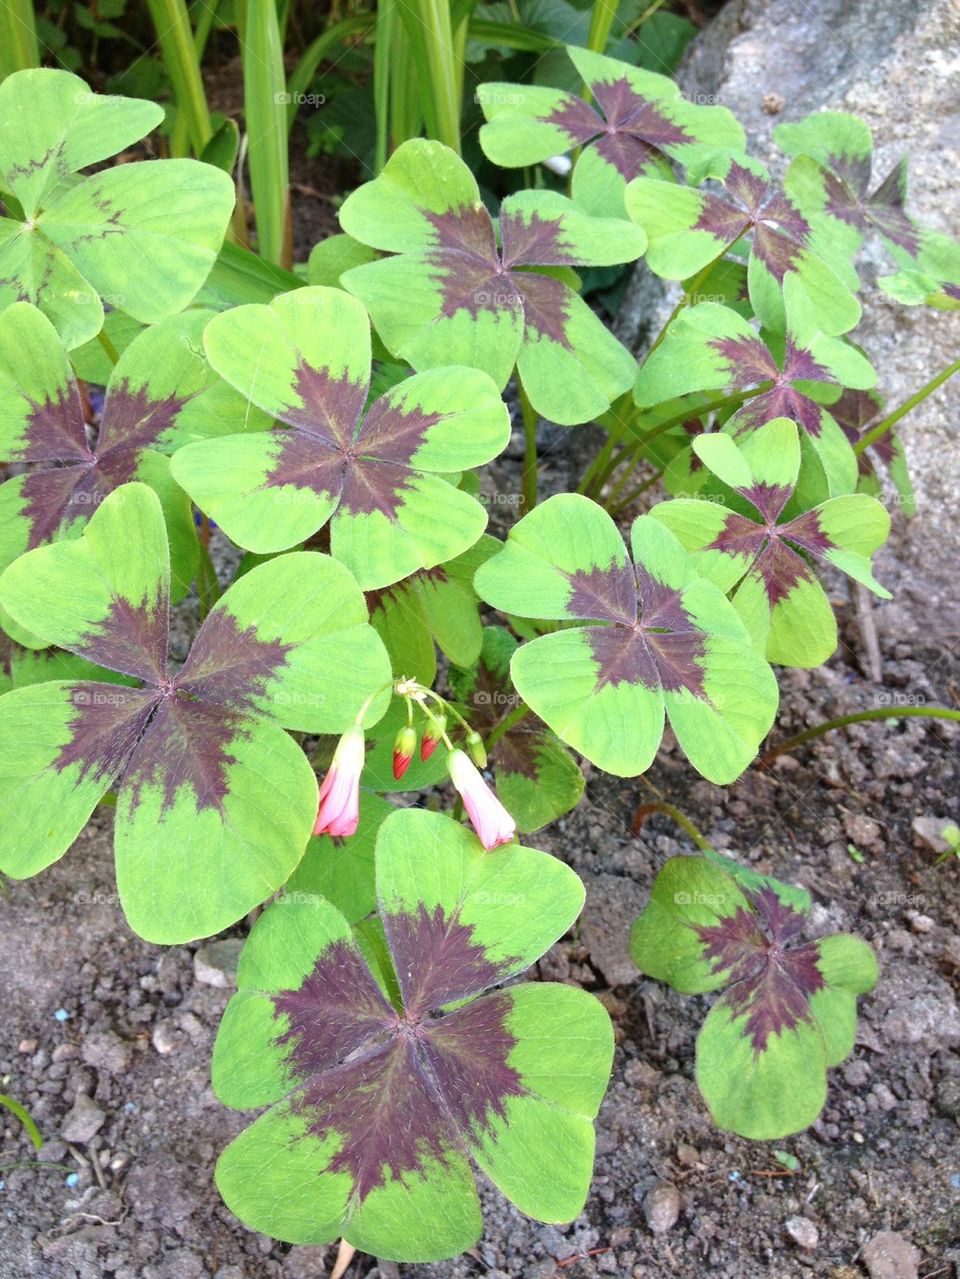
{"x":339,"y":810}
{"x":489,"y":818}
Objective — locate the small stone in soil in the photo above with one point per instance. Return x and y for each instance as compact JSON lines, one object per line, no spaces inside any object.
{"x":661,"y":1207}
{"x":216,"y":963}
{"x":802,"y":1232}
{"x":84,"y":1120}
{"x":889,"y":1256}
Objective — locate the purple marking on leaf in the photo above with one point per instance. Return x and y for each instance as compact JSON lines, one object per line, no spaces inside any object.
{"x":768,"y":499}
{"x":748,"y":361}
{"x":397,"y":1088}
{"x":106,"y":722}
{"x":230,"y":665}
{"x":780,"y":230}
{"x":436,"y":959}
{"x":133,"y":419}
{"x":545,"y":307}
{"x":336,"y":1010}
{"x":778,"y":566}
{"x":807,"y":532}
{"x":185,"y":747}
{"x":660,"y":649}
{"x":722,"y":220}
{"x":799,"y":365}
{"x":885,"y":209}
{"x":772,"y":980}
{"x":533,"y":240}
{"x":363,"y":468}
{"x":55,"y":431}
{"x":577,"y":119}
{"x":678,"y":646}
{"x":131,"y":638}
{"x":634,"y":129}
{"x":604,"y":594}
{"x":331,"y":406}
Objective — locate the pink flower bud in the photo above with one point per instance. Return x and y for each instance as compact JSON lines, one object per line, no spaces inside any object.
{"x":432,"y":736}
{"x":403,"y":748}
{"x":339,"y":810}
{"x":489,"y":818}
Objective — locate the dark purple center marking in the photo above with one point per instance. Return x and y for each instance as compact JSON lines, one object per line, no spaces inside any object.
{"x":475,"y":276}
{"x":767,"y":545}
{"x":881,"y":211}
{"x":772,"y":978}
{"x":631,"y":129}
{"x":178,"y":733}
{"x":362,"y":466}
{"x":651,"y":640}
{"x":780,"y":232}
{"x":400,"y":1088}
{"x":749,"y":363}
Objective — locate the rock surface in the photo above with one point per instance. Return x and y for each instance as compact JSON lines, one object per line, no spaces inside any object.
{"x":898,"y":67}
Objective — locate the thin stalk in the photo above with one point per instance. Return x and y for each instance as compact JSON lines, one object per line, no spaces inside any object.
{"x":615,"y":431}
{"x":208,"y":585}
{"x":670,"y":810}
{"x":906,"y":407}
{"x":265,"y":106}
{"x":689,"y":292}
{"x":528,"y":479}
{"x":858,"y":717}
{"x":19,"y":48}
{"x":511,"y":35}
{"x":171,"y":22}
{"x":201,"y":33}
{"x":616,"y":504}
{"x":601,"y":20}
{"x":509,"y":721}
{"x":111,"y":351}
{"x":634,"y":451}
{"x":644,"y":17}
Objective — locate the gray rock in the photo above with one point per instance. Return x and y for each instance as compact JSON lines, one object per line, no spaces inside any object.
{"x":889,"y":1256}
{"x":929,"y":832}
{"x":802,"y":1232}
{"x":661,"y":1207}
{"x":216,"y":963}
{"x":898,"y":67}
{"x":84,"y":1120}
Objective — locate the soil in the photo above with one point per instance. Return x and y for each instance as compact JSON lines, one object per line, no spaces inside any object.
{"x":94,"y":1013}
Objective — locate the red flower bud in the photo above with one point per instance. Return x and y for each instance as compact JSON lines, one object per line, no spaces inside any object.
{"x":403,"y":749}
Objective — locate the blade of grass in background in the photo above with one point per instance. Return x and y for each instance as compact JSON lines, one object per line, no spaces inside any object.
{"x":265,"y":100}
{"x":192,"y":129}
{"x":439,"y":71}
{"x":19,"y":49}
{"x":396,"y":92}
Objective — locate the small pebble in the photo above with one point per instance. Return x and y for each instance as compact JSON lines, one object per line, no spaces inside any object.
{"x":83,"y":1121}
{"x":27,"y":1046}
{"x":164,"y":1038}
{"x":72,"y":1178}
{"x":661,"y":1207}
{"x":889,"y":1256}
{"x":803,"y":1232}
{"x":922,"y":924}
{"x":62,"y":1015}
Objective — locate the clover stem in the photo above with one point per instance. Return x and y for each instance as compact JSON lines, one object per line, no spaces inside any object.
{"x":857,"y":717}
{"x":694,"y":411}
{"x":615,"y":504}
{"x":112,"y":353}
{"x":670,"y":810}
{"x":208,"y":587}
{"x":509,"y":720}
{"x":601,"y":20}
{"x":615,"y":426}
{"x":528,"y":480}
{"x":890,"y":421}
